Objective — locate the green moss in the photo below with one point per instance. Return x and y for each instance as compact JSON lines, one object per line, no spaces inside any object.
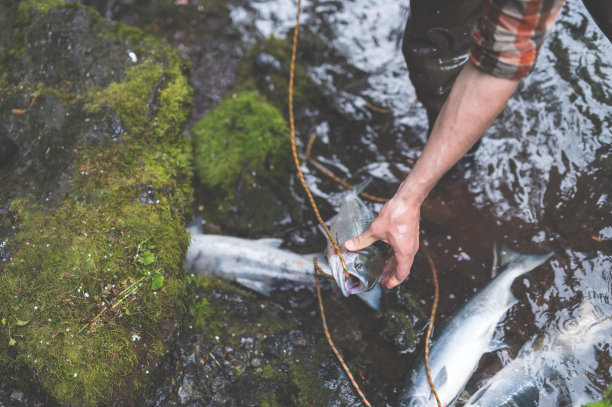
{"x":208,"y":297}
{"x":242,"y":137}
{"x":132,"y":95}
{"x":94,"y":323}
{"x":42,"y":5}
{"x":304,"y":376}
{"x":41,"y":90}
{"x":271,"y":402}
{"x":154,"y":103}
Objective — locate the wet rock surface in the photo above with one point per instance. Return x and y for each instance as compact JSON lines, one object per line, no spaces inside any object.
{"x":78,"y":94}
{"x":252,"y":351}
{"x":202,"y":32}
{"x":38,"y":111}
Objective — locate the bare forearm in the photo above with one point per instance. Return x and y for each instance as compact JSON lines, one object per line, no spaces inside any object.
{"x":475,"y":100}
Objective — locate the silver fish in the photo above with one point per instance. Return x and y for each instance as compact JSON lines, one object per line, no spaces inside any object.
{"x":364,"y":266}
{"x":455,"y":352}
{"x":545,"y":376}
{"x":259,"y":265}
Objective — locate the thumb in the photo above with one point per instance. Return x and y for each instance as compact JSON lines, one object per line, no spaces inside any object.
{"x":360,"y":242}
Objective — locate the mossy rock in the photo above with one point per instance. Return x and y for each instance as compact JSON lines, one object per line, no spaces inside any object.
{"x":243,"y":159}
{"x":266,"y":68}
{"x":238,"y":348}
{"x":92,"y":234}
{"x":405,"y":317}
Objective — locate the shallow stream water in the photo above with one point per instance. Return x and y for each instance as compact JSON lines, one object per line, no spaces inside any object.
{"x":540,"y":180}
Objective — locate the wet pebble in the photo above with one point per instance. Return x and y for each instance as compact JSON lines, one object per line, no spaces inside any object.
{"x":247,"y":343}
{"x":256,"y":362}
{"x":300,"y":341}
{"x":185,"y":393}
{"x":218,"y":383}
{"x":17,"y":396}
{"x":218,"y":352}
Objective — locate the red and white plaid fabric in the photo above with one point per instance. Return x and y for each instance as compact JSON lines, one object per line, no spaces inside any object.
{"x":508,"y":36}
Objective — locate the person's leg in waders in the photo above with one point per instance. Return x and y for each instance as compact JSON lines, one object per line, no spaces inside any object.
{"x":601,"y":11}
{"x":436,"y":45}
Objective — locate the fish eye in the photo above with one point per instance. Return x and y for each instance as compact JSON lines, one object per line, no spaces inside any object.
{"x":358,"y":266}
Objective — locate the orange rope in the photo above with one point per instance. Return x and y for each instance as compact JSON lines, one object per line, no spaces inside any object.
{"x":378,"y":109}
{"x":333,"y":241}
{"x":333,"y":176}
{"x":317,"y":214}
{"x":434,"y":272}
{"x":294,"y":149}
{"x":434,"y":307}
{"x":329,"y":339}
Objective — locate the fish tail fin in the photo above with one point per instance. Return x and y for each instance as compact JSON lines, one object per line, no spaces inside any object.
{"x":336,"y":290}
{"x":524,"y":262}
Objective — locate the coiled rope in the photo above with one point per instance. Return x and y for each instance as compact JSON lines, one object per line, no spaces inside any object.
{"x":333,"y":241}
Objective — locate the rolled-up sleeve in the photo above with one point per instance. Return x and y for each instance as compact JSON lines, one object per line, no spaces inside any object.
{"x":508,"y":36}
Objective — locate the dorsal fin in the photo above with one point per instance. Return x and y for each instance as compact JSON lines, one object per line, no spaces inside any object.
{"x":359,"y":188}
{"x":441,"y":378}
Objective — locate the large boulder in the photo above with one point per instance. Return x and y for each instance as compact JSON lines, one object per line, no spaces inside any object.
{"x":93,"y":197}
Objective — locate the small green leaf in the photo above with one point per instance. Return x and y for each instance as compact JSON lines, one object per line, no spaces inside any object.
{"x":21,"y":323}
{"x":157,"y":281}
{"x":3,"y":321}
{"x":146,"y":258}
{"x":12,"y":342}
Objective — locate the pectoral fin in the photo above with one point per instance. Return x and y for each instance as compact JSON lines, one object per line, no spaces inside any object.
{"x":372,"y":298}
{"x":359,"y":188}
{"x":322,"y":229}
{"x":256,"y":286}
{"x":441,"y":378}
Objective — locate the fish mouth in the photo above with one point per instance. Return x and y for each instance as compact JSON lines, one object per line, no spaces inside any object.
{"x":353,"y":285}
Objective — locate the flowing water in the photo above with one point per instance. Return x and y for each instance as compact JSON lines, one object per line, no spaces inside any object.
{"x":540,"y":180}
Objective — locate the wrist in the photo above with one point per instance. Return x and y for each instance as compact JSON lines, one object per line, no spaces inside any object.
{"x":412,"y":192}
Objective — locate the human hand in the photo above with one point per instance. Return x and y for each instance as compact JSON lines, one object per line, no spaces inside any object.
{"x":398,"y":225}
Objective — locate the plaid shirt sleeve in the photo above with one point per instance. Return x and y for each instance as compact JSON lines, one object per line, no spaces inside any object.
{"x":508,"y":36}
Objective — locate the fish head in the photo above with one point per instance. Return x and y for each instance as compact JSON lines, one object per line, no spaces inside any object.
{"x":363,"y":268}
{"x":352,"y":282}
